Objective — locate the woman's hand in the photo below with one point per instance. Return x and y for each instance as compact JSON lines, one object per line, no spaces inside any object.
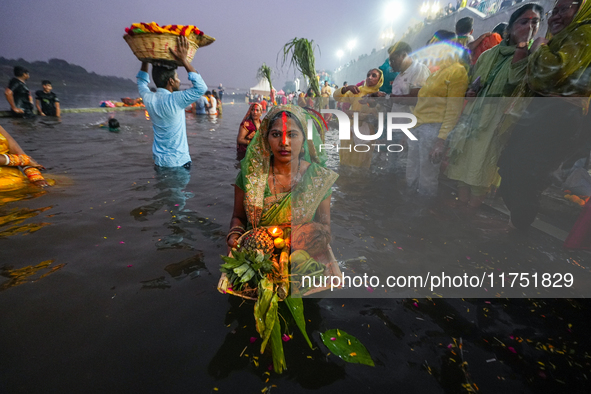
{"x":244,"y":136}
{"x":41,"y":183}
{"x":436,"y":155}
{"x":351,"y":88}
{"x":233,"y":241}
{"x":538,"y":43}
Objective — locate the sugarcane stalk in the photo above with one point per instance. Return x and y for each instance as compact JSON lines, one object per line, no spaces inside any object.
{"x":300,"y":53}
{"x":264,"y":72}
{"x":283,"y":285}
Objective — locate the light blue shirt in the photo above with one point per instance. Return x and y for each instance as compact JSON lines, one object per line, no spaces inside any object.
{"x":200,"y":106}
{"x":167,"y":112}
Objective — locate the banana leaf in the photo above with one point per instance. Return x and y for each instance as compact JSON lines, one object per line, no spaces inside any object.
{"x":279,"y":364}
{"x":347,"y":347}
{"x":271,"y":321}
{"x":262,"y":305}
{"x":296,"y":307}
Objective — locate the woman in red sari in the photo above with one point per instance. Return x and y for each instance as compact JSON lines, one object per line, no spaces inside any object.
{"x":248,"y":128}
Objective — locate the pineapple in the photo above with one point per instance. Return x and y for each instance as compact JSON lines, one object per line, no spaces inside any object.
{"x":258,"y":239}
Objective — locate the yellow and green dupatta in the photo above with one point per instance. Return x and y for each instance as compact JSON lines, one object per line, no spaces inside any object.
{"x":301,"y":203}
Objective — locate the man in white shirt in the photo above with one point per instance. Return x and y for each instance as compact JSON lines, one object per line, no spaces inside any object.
{"x":412,"y":76}
{"x":405,"y":87}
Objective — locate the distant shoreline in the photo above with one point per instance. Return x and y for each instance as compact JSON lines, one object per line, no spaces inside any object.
{"x":7,"y":114}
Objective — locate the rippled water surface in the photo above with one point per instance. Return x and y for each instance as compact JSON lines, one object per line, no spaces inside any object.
{"x":109,"y":281}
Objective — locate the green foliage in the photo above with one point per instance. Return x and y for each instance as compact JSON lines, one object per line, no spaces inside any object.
{"x":268,"y":324}
{"x":265,"y":73}
{"x":296,"y":307}
{"x":246,"y":267}
{"x":300,"y":53}
{"x":304,"y":265}
{"x":347,"y":347}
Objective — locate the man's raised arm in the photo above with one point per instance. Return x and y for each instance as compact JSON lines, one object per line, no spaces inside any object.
{"x":199,"y":87}
{"x":143,"y":79}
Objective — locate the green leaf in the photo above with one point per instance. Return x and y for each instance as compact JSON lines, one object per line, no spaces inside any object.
{"x":267,"y":266}
{"x":262,"y":305}
{"x":259,"y":258}
{"x":302,"y":59}
{"x":346,"y":347}
{"x":230,"y":260}
{"x":279,"y":364}
{"x":247,"y":275}
{"x":264,"y":72}
{"x":242,"y":269}
{"x":271,"y":320}
{"x":296,"y":307}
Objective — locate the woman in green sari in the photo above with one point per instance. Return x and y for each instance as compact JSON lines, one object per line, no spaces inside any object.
{"x":554,"y":97}
{"x":283,"y":178}
{"x":476,"y":142}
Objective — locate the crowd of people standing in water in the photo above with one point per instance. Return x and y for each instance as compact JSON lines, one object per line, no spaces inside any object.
{"x":502,"y":111}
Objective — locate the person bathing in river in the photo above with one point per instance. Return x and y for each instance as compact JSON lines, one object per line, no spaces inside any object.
{"x":199,"y":106}
{"x":18,"y":95}
{"x":218,"y":102}
{"x":167,"y":106}
{"x":282,"y":168}
{"x":248,"y":128}
{"x":112,"y":125}
{"x":46,"y":101}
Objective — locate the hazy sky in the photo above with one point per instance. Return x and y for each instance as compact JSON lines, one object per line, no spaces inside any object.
{"x":248,"y":33}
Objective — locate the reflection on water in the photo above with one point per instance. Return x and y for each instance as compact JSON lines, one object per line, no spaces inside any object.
{"x":158,"y":283}
{"x":19,"y":276}
{"x":170,"y":186}
{"x":190,"y":267}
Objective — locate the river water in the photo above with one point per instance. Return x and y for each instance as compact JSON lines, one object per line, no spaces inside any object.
{"x":109,"y":280}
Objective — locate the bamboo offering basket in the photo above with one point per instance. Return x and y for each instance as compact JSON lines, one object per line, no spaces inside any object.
{"x":151,"y":47}
{"x":328,"y":259}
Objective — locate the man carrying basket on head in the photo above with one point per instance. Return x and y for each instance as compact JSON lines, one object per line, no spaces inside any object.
{"x":166,"y":107}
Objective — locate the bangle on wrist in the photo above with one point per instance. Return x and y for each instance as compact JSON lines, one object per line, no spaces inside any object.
{"x":232,"y":233}
{"x":33,"y":174}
